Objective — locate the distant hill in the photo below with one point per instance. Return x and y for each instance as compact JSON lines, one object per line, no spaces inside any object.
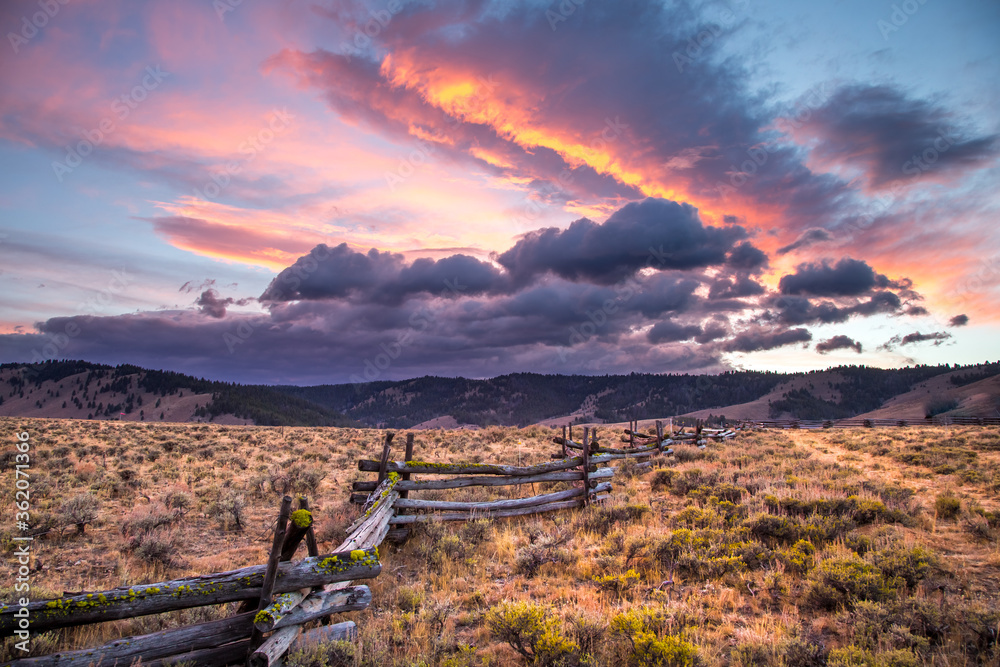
{"x":81,"y":390}
{"x":873,"y":393}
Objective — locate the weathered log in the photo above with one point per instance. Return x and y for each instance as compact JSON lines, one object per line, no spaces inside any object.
{"x":318,"y":605}
{"x":445,"y":505}
{"x":609,"y":450}
{"x":208,"y":657}
{"x":469,"y":516}
{"x":267,"y":588}
{"x":385,"y":456}
{"x":270,"y":652}
{"x":469,"y":468}
{"x":622,"y":454}
{"x":372,"y":530}
{"x":460,"y":482}
{"x":384,"y":493}
{"x":162,"y":644}
{"x":208,"y":589}
{"x":346,"y":631}
{"x":298,"y":528}
{"x":570,"y":443}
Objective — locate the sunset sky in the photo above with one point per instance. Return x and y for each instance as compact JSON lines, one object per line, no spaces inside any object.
{"x":333,"y":191}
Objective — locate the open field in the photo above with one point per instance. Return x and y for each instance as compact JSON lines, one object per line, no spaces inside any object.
{"x":866,"y":547}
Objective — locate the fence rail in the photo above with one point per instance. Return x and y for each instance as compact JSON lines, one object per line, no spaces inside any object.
{"x":278,"y":597}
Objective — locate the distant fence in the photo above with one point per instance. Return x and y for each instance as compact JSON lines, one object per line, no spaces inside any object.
{"x":576,"y":462}
{"x":872,"y":423}
{"x":278,"y":597}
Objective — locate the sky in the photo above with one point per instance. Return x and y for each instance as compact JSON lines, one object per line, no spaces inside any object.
{"x":347,"y":190}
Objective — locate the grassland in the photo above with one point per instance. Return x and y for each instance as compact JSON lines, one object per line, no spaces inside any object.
{"x":867,"y":547}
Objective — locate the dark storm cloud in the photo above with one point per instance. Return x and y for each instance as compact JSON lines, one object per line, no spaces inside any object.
{"x":809,"y":237}
{"x":893,"y":136}
{"x":669,"y":331}
{"x":792,"y":310}
{"x":848,"y":277}
{"x":211,"y":305}
{"x":576,"y":296}
{"x":341,"y":273}
{"x":959,"y":321}
{"x":937,"y":337}
{"x":838,"y":343}
{"x":745,"y":257}
{"x":756,"y":339}
{"x":916,"y":337}
{"x":726,"y":288}
{"x":654,"y":233}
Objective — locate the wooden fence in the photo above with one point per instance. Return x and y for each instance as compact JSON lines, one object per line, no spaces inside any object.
{"x":277,"y":598}
{"x":577,"y":462}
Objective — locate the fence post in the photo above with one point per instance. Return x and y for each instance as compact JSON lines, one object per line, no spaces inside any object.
{"x":311,"y":545}
{"x":586,"y":467}
{"x":384,"y":461}
{"x":659,"y":434}
{"x":272,"y":567}
{"x":564,"y":453}
{"x":407,"y":456}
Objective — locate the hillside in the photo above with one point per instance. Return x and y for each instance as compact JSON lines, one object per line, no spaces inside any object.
{"x":82,"y":390}
{"x":907,"y":393}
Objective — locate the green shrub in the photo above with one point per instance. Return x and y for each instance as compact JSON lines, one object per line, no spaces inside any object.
{"x":640,"y":626}
{"x":947,"y":506}
{"x":531,"y":631}
{"x":841,"y":582}
{"x":852,"y":656}
{"x":910,"y":565}
{"x":477,"y":532}
{"x":619,"y":584}
{"x":409,"y":599}
{"x":799,"y":558}
{"x":600,"y":519}
{"x":663,"y":479}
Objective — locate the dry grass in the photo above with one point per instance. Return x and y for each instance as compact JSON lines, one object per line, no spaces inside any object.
{"x":778,"y":548}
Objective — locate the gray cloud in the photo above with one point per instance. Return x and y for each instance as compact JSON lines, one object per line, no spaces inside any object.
{"x":838,"y":343}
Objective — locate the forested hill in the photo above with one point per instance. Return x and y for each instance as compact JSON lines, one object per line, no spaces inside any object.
{"x":79,"y":389}
{"x":83,"y":390}
{"x":527,"y":398}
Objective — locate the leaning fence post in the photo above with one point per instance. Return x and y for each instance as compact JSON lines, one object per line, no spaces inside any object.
{"x":586,"y":467}
{"x":272,"y":568}
{"x":384,"y":461}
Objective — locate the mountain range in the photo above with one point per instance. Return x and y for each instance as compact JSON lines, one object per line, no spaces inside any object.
{"x":84,"y":390}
